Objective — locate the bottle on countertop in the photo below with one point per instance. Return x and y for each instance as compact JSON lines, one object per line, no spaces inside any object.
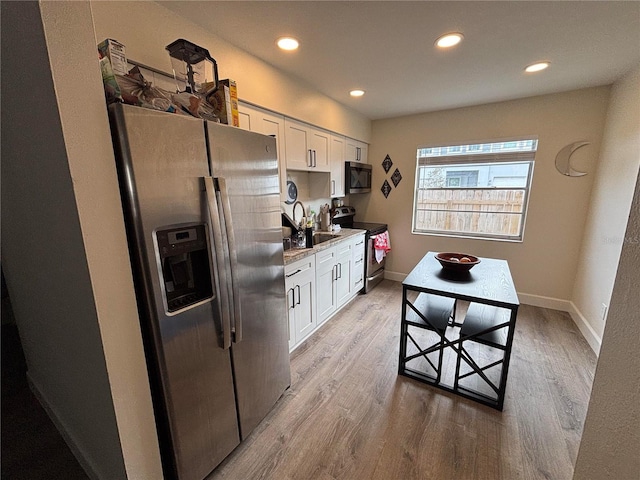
{"x":308,"y":232}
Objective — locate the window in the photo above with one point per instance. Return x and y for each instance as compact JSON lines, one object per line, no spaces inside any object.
{"x":478,"y":190}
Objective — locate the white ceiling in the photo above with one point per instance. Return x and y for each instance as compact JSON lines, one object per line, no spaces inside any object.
{"x":387,"y":47}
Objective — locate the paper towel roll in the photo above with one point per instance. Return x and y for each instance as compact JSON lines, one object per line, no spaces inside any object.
{"x":325,"y":222}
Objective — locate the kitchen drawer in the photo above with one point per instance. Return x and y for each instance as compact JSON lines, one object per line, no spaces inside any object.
{"x":357,"y":273}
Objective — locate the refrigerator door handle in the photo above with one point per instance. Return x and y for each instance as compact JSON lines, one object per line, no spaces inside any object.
{"x":218,"y":260}
{"x":233,"y":259}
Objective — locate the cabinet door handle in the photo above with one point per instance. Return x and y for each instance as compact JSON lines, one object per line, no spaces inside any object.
{"x":293,"y":273}
{"x":334,"y":273}
{"x":293,"y":298}
{"x":310,"y":159}
{"x":340,"y":267}
{"x":315,"y":158}
{"x":298,"y":302}
{"x":333,"y":187}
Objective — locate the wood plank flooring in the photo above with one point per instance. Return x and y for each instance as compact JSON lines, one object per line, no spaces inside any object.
{"x":348,"y":415}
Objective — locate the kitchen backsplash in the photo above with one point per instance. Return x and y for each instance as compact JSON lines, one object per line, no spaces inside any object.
{"x":305,"y":181}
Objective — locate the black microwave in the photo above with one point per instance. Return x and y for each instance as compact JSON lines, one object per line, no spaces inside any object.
{"x":357,"y":177}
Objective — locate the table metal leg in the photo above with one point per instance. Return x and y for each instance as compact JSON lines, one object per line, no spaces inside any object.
{"x":507,"y":357}
{"x":403,"y":333}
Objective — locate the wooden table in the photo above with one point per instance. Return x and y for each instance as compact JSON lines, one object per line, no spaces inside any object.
{"x":429,"y":294}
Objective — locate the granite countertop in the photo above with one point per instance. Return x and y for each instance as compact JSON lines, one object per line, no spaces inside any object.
{"x":294,"y":254}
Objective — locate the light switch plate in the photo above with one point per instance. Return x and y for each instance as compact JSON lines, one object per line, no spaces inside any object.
{"x":603,"y":311}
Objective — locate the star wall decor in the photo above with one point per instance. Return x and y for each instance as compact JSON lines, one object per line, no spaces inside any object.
{"x":387,"y":163}
{"x":396,"y":177}
{"x":386,"y":189}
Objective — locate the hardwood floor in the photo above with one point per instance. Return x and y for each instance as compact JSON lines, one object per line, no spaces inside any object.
{"x":348,"y":415}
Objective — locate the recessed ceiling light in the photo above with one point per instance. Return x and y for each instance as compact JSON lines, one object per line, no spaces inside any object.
{"x":356,"y":93}
{"x":288,"y":43}
{"x":537,"y":67}
{"x":449,"y":40}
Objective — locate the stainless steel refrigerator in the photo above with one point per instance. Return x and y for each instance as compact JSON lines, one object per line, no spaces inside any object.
{"x":202,"y":211}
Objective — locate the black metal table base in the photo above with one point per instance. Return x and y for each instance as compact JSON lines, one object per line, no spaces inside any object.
{"x":496,"y":401}
{"x":461,"y":391}
{"x":489,"y":322}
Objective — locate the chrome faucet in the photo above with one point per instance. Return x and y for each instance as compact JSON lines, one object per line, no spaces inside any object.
{"x":294,"y":212}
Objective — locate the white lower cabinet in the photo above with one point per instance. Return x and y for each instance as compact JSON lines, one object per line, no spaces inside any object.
{"x":344,"y":272}
{"x":319,"y":285}
{"x":300,"y":287}
{"x":326,"y":275}
{"x":357,"y":268}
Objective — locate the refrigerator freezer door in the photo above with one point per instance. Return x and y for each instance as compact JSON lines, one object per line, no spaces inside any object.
{"x":162,"y":159}
{"x":248,"y":165}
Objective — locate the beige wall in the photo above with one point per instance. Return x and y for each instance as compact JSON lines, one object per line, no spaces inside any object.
{"x":610,"y":447}
{"x":145,"y":28}
{"x":64,"y":247}
{"x":609,"y":206}
{"x":71,"y":44}
{"x":545,"y":263}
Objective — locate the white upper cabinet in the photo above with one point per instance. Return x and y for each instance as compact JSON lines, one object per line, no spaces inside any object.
{"x":320,"y":140}
{"x":336,"y":156}
{"x":302,"y":146}
{"x":356,"y":151}
{"x":262,"y":121}
{"x":246,"y":116}
{"x":306,"y":147}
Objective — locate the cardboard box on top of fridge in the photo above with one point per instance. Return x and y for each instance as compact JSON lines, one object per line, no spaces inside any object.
{"x":233,"y":99}
{"x":220,"y":100}
{"x":115,"y":52}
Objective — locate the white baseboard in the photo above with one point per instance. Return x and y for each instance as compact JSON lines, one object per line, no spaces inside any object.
{"x":395,"y":276}
{"x":88,"y":467}
{"x":545,"y":302}
{"x":587,"y":332}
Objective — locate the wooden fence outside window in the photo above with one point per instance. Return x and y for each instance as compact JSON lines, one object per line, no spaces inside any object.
{"x":494,"y":211}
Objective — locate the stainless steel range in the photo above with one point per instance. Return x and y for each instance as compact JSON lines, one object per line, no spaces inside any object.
{"x":374,"y":271}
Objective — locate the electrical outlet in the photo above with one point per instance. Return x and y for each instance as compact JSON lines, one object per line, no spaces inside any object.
{"x":603,"y":311}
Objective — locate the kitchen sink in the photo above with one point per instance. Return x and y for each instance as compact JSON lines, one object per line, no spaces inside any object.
{"x":323,"y":237}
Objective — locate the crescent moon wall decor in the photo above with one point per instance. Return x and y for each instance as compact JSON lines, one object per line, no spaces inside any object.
{"x":563,"y":160}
